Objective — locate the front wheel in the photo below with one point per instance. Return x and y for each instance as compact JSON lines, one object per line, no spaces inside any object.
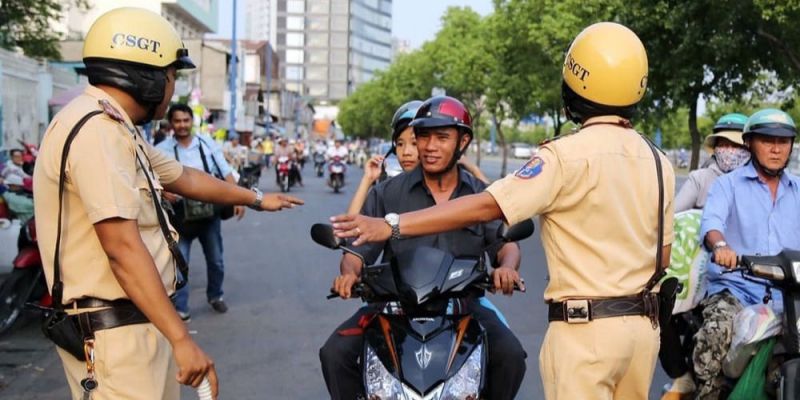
{"x":14,"y":292}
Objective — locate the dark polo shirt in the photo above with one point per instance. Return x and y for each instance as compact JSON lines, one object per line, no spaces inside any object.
{"x":408,"y":192}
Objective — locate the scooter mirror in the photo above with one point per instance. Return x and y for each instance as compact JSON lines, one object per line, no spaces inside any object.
{"x":516,"y":232}
{"x":323,"y":235}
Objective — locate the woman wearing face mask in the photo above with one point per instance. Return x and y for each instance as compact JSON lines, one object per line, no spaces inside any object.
{"x":727,"y":149}
{"x":728,"y":152}
{"x":404,"y":145}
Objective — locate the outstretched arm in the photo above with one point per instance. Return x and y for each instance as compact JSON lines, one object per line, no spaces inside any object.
{"x":455,"y":214}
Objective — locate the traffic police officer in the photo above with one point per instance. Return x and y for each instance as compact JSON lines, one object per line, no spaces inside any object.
{"x":114,"y":255}
{"x":597,"y":193}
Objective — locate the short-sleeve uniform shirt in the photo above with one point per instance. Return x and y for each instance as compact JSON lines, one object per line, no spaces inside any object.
{"x":103,"y":181}
{"x":408,"y":192}
{"x":596,"y":192}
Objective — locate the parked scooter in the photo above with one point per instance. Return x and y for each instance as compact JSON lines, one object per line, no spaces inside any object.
{"x":336,"y":177}
{"x":284,"y":173}
{"x":26,"y":282}
{"x":319,"y":164}
{"x":422,"y":345}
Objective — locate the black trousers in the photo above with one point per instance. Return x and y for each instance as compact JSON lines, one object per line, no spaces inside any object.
{"x":505,"y":369}
{"x":673,"y":353}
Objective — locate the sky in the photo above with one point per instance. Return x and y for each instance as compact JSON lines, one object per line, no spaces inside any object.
{"x":413,"y":20}
{"x":418,"y":20}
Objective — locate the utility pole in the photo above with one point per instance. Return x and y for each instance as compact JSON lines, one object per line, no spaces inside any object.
{"x":269,"y":84}
{"x":232,"y":85}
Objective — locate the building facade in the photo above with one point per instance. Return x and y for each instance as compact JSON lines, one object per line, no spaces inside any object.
{"x":328,"y":47}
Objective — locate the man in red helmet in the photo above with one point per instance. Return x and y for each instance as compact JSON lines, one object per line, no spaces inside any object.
{"x":443,"y":128}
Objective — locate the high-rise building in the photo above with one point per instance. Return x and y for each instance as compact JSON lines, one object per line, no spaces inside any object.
{"x":260,"y":20}
{"x":328,"y":47}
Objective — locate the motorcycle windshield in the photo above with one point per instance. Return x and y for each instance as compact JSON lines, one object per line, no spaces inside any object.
{"x":424,"y":272}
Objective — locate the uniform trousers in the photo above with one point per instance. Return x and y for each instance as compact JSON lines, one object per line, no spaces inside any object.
{"x":132,"y":362}
{"x":605,"y":359}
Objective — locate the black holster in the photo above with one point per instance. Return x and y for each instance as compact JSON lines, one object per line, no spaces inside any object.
{"x":666,"y":299}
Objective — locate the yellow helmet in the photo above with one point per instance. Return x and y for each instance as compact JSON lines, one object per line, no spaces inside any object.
{"x":607,"y":65}
{"x":136,"y":35}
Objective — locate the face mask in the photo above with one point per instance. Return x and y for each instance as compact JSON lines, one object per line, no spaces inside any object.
{"x":730,"y":158}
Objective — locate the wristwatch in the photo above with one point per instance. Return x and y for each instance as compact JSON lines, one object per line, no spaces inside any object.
{"x":393,"y":219}
{"x":257,"y":202}
{"x":719,"y":245}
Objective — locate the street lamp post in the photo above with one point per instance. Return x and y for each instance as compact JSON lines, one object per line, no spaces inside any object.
{"x":232,"y":85}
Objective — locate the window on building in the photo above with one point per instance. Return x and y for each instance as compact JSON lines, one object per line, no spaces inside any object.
{"x":338,"y":90}
{"x":294,"y":87}
{"x":318,"y":23}
{"x":339,"y":23}
{"x":294,"y":39}
{"x":295,"y":56}
{"x":339,"y":56}
{"x":319,"y":6}
{"x":295,"y":23}
{"x":318,"y":40}
{"x":339,"y":6}
{"x":338,"y":72}
{"x":296,"y":6}
{"x":317,"y":73}
{"x":294,"y":73}
{"x":318,"y":56}
{"x":318,"y":90}
{"x":338,"y":39}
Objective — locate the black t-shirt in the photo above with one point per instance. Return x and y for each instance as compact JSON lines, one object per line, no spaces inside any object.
{"x":408,"y":192}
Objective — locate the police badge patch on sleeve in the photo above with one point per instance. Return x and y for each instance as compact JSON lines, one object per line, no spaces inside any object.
{"x":532,"y":168}
{"x":109,"y":110}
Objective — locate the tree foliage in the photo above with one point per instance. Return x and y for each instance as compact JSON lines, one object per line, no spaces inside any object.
{"x":729,"y":54}
{"x":26,"y":25}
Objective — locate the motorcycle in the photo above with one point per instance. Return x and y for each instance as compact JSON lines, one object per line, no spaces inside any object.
{"x":284,"y":173}
{"x":782,"y":272}
{"x":421,"y":345}
{"x":249,"y":175}
{"x":319,"y":164}
{"x":336,"y":177}
{"x":26,"y":282}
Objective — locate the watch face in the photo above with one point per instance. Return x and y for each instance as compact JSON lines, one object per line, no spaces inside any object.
{"x":392,"y":219}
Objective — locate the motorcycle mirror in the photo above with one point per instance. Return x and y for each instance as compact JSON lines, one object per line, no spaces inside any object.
{"x":516,"y":232}
{"x":323,"y":235}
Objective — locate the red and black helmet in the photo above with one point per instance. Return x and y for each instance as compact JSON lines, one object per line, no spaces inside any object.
{"x":442,"y":111}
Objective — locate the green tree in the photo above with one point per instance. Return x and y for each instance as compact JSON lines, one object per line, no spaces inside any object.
{"x":460,"y":61}
{"x":26,"y":25}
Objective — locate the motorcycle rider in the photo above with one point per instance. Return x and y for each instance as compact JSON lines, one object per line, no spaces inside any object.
{"x":14,"y":165}
{"x":121,"y":260}
{"x":596,"y":193}
{"x":338,"y":150}
{"x":20,"y":201}
{"x":285,"y":149}
{"x":728,"y":152}
{"x":443,"y":129}
{"x":751,"y":210}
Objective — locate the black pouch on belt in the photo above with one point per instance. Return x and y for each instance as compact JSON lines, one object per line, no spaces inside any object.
{"x":63,"y":330}
{"x":666,"y":299}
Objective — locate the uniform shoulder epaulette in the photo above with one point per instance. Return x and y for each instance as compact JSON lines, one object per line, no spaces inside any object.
{"x":109,"y":110}
{"x":553,"y":139}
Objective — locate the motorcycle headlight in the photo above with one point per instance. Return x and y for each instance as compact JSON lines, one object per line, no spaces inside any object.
{"x":465,"y":384}
{"x":381,"y":385}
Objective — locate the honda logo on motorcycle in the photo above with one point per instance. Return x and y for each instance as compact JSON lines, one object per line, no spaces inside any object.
{"x":423,"y":357}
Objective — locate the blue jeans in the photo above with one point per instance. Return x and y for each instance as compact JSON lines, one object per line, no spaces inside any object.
{"x":211,"y":240}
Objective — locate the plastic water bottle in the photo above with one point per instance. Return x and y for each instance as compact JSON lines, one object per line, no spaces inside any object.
{"x":204,"y":390}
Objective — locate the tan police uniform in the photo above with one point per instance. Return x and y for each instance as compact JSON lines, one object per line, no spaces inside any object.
{"x":597,"y":196}
{"x":105,"y":181}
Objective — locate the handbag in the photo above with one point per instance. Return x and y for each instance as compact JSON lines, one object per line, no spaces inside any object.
{"x":194,"y":210}
{"x":57,"y":326}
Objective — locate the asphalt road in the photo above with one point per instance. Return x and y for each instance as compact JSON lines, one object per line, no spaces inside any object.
{"x":266,"y":346}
